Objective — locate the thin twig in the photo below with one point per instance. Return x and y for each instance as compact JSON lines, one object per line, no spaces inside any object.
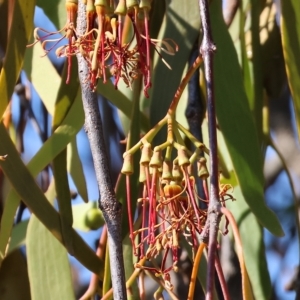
{"x":111,"y":208}
{"x":94,"y":282}
{"x":207,"y":49}
{"x":225,"y":292}
{"x":246,"y":286}
{"x":195,"y":271}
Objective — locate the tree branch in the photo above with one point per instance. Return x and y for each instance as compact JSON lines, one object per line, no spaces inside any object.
{"x":206,"y":49}
{"x":111,"y":208}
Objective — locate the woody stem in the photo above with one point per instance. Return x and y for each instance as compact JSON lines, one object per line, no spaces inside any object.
{"x":111,"y":208}
{"x":207,"y":49}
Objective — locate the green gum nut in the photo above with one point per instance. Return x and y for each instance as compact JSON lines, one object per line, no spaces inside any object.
{"x":127,"y":168}
{"x":156,"y":160}
{"x":94,"y":219}
{"x":183,"y":159}
{"x":145,"y":4}
{"x":202,"y":169}
{"x":146,"y":154}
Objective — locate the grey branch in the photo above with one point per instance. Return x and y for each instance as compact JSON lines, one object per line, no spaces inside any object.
{"x":111,"y":208}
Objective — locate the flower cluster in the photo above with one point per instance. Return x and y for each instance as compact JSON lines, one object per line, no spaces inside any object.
{"x":168,"y":209}
{"x":116,"y":42}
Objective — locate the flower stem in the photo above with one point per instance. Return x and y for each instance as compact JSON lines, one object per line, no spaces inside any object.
{"x":183,"y":83}
{"x":195,"y":271}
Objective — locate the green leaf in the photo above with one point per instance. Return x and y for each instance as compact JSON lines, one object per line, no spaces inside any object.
{"x":47,"y":259}
{"x":290,"y":32}
{"x":37,"y":66}
{"x":27,"y":190}
{"x":256,"y":103}
{"x":18,"y":236}
{"x":59,"y":140}
{"x":64,"y":102}
{"x":236,"y":123}
{"x":254,"y":252}
{"x":75,"y":169}
{"x":14,"y":270}
{"x":21,"y":12}
{"x":11,"y":204}
{"x":54,"y":145}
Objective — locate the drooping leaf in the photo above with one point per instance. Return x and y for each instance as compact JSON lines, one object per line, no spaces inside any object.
{"x":254,"y":252}
{"x":42,"y":75}
{"x":64,"y":101}
{"x":14,"y":270}
{"x":7,"y":222}
{"x":27,"y":190}
{"x":47,"y":259}
{"x":54,"y":145}
{"x":75,"y":169}
{"x":236,"y":123}
{"x":256,"y":103}
{"x":21,"y":13}
{"x":290,"y":32}
{"x":18,"y":236}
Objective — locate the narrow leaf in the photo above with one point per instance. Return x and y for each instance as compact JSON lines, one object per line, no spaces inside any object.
{"x":19,"y":34}
{"x":54,"y":145}
{"x":253,"y":248}
{"x":47,"y":259}
{"x":18,"y":236}
{"x":75,"y":169}
{"x":236,"y":123}
{"x":27,"y":190}
{"x":64,"y":101}
{"x":42,"y":75}
{"x":290,"y":30}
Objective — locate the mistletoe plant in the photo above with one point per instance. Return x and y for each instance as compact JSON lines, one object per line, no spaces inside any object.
{"x":174,"y":193}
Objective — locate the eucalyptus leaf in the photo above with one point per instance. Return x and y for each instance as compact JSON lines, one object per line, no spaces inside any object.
{"x":48,"y":264}
{"x":21,"y":13}
{"x":254,"y":251}
{"x":237,"y":125}
{"x":290,"y":32}
{"x":54,"y":145}
{"x":26,"y":188}
{"x":75,"y":169}
{"x":64,"y":102}
{"x":18,"y":236}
